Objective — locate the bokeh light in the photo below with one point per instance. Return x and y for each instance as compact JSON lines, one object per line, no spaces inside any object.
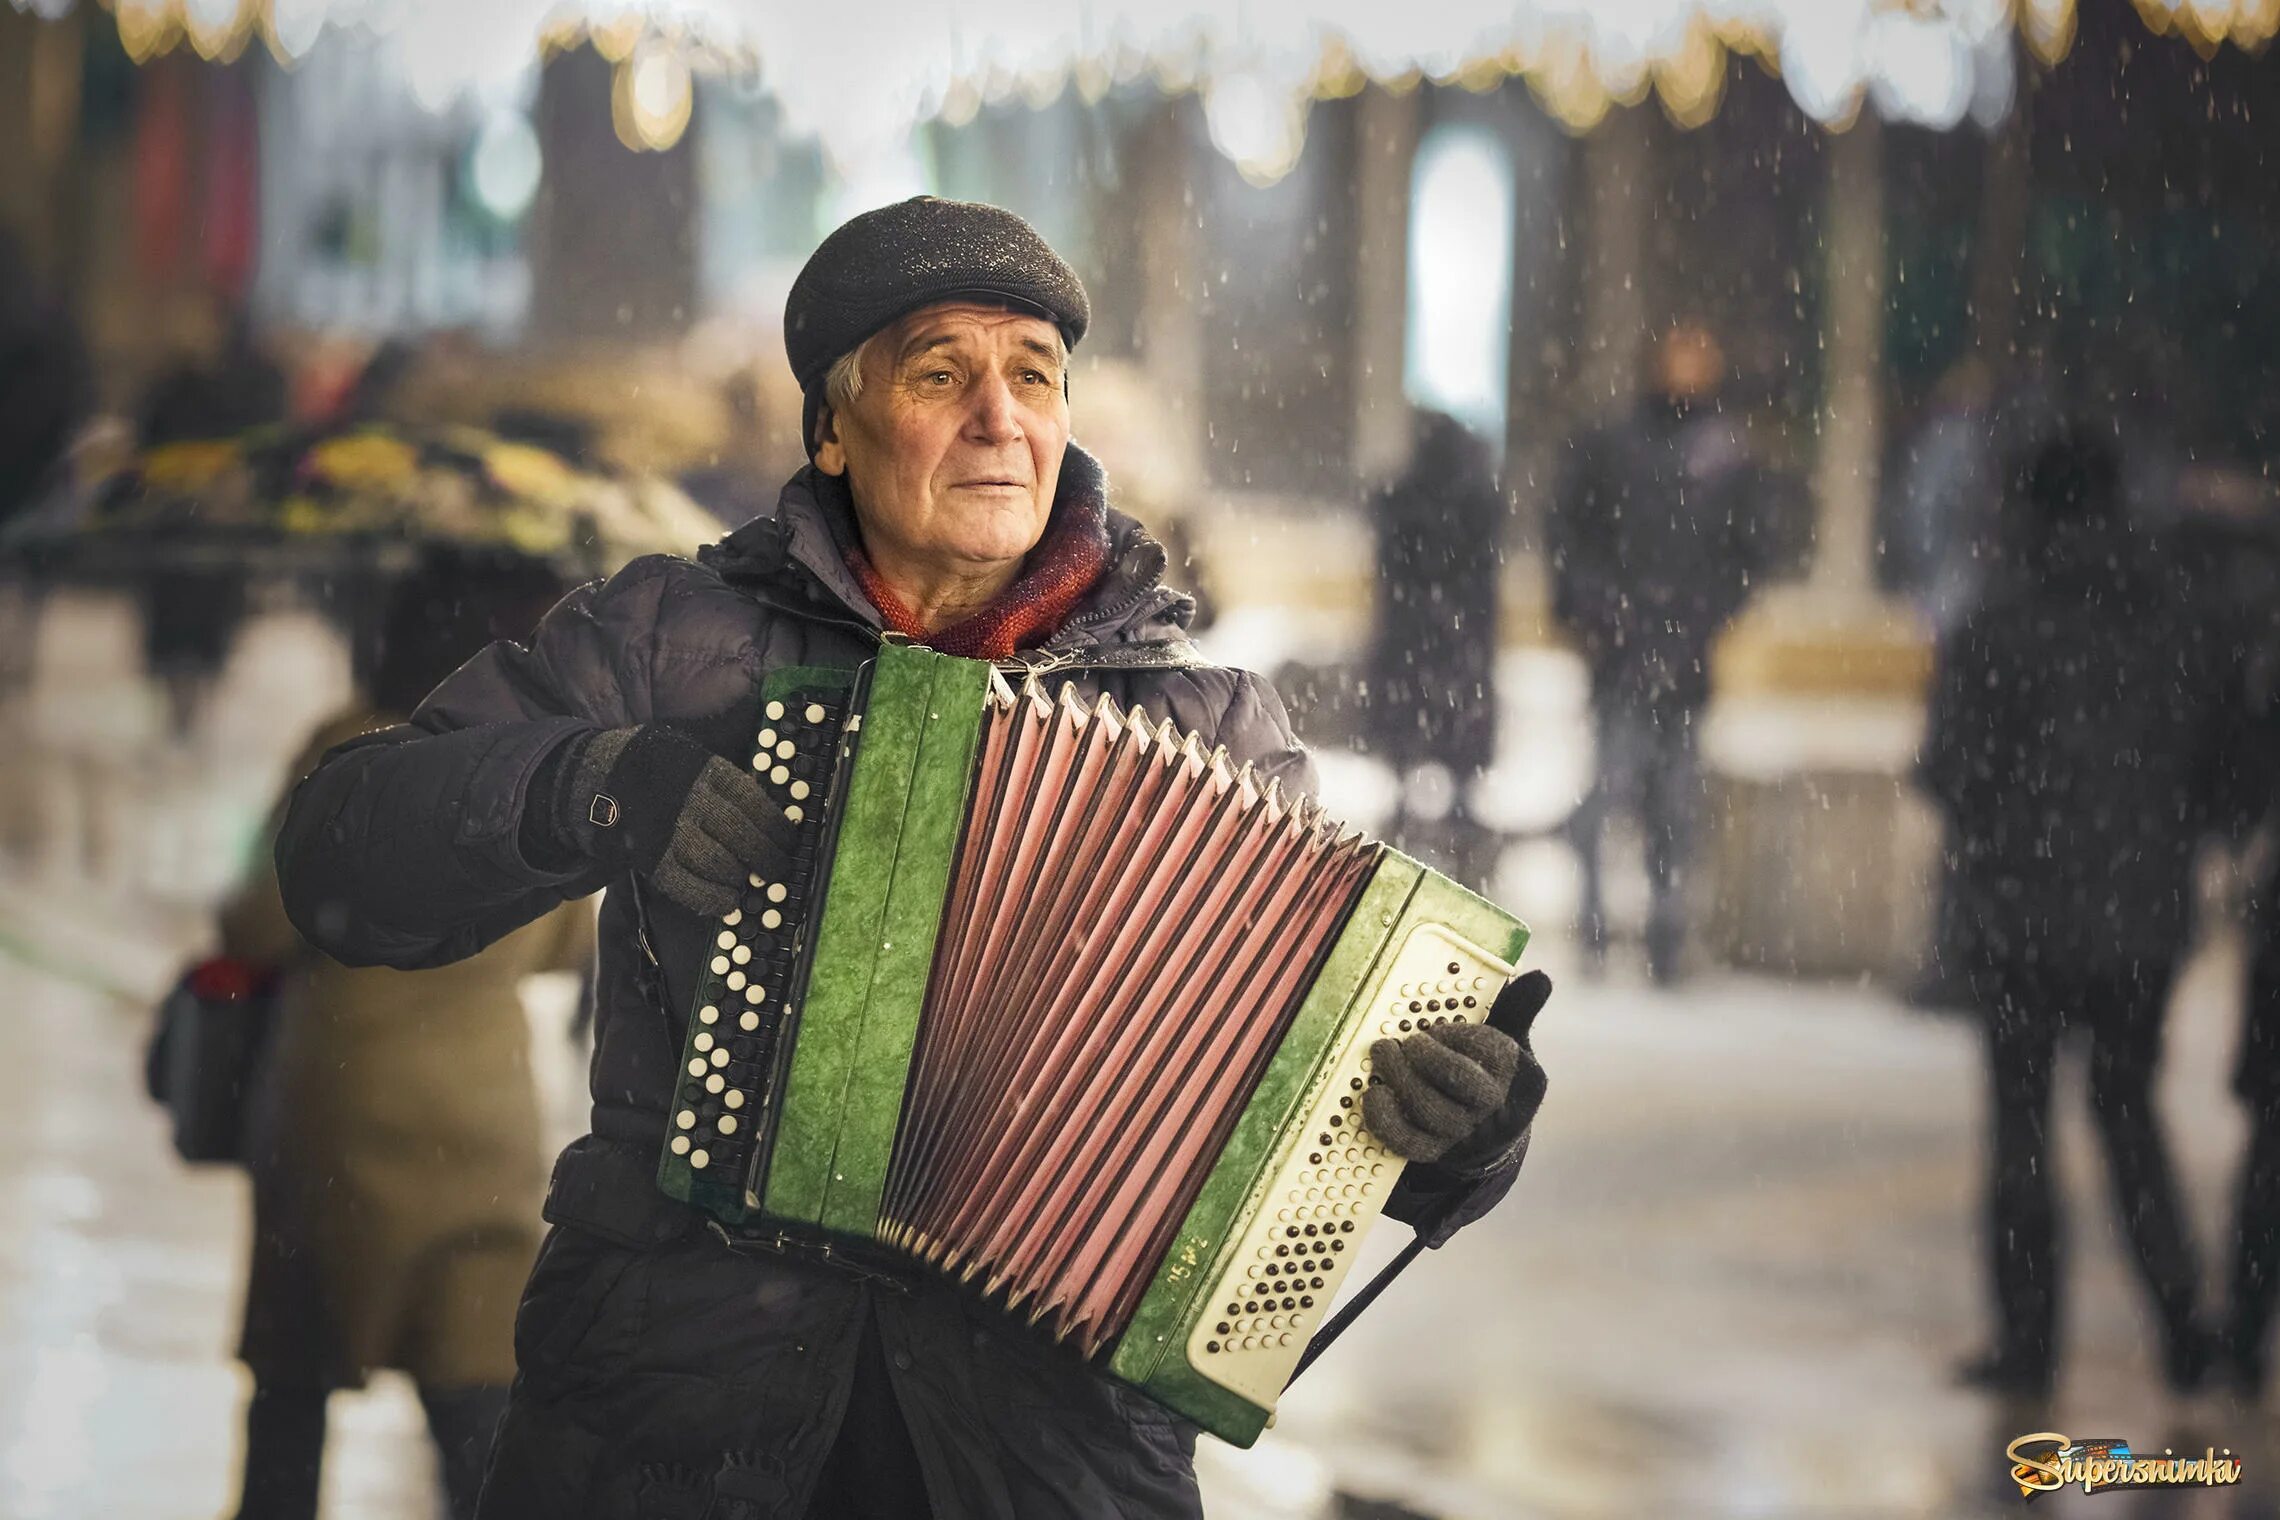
{"x":1932,"y":62}
{"x":505,"y":164}
{"x":651,"y":98}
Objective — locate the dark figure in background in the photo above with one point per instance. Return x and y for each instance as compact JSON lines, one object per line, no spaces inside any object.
{"x":191,"y":617}
{"x":2078,"y":746}
{"x":1432,"y":657}
{"x":1939,"y":530}
{"x":1652,"y":553}
{"x":394,"y":1146}
{"x":239,"y":388}
{"x":2255,"y":1285}
{"x":47,"y":386}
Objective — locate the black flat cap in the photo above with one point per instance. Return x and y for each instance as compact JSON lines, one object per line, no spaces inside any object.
{"x":888,"y":263}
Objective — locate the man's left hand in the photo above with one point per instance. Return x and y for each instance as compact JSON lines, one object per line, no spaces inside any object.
{"x":1460,"y":1094}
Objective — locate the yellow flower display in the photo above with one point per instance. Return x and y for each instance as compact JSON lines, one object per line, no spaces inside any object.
{"x":189,"y":466}
{"x":367,"y":461}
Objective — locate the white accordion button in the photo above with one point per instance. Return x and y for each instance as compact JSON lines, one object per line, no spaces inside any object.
{"x":786,"y":750}
{"x":767,"y":739}
{"x":779,"y":776}
{"x":754,"y":879}
{"x":708,"y":1014}
{"x":728,"y":1124}
{"x":754,"y":993}
{"x":777,"y":893}
{"x":799,"y":791}
{"x":749,"y":1022}
{"x":771,"y":919}
{"x":713,"y":1084}
{"x":725,"y":938}
{"x":680,"y":1145}
{"x":735,"y":980}
{"x":735,"y":917}
{"x":734,"y":1100}
{"x":795,"y":812}
{"x":699,"y":1159}
{"x":686,"y":1118}
{"x":720,"y":1056}
{"x":774,"y":712}
{"x":761,"y":762}
{"x":741,"y":954}
{"x":815,"y":712}
{"x":703,"y":1041}
{"x":697,"y":1067}
{"x":720,"y":965}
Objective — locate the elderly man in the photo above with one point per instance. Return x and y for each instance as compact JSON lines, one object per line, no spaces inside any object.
{"x":669,"y":1367}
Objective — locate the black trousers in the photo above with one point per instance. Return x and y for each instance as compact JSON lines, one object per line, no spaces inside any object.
{"x":1650,"y":761}
{"x":872,"y":1472}
{"x":285,"y":1447}
{"x":2029,"y":1011}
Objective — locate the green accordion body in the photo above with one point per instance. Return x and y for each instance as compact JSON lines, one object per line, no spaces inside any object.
{"x":1054,"y":1002}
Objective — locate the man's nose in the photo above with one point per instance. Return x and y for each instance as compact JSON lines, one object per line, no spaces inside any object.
{"x":993,"y":417}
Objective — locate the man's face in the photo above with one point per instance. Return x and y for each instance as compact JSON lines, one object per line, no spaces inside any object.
{"x":1688,"y":363}
{"x":953,"y":449}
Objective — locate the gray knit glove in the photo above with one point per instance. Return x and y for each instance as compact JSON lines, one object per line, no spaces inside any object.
{"x":656,"y":802}
{"x":1460,"y":1094}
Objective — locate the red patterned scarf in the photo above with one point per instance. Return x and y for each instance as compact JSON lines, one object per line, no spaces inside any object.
{"x":1066,"y":564}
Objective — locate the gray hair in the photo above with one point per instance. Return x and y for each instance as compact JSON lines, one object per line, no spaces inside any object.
{"x":843,"y":382}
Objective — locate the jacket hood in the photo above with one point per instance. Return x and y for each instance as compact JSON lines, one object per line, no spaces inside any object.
{"x":794,"y":555}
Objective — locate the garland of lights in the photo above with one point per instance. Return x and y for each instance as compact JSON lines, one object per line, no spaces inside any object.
{"x":1929,"y":61}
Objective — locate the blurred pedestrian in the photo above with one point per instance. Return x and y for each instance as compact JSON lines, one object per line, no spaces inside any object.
{"x":1653,"y":552}
{"x":1941,"y":540}
{"x":1431,"y":668}
{"x":2255,"y":1275}
{"x":191,"y":618}
{"x":395,"y":1145}
{"x":217,"y":395}
{"x":47,"y":386}
{"x":2077,"y":746}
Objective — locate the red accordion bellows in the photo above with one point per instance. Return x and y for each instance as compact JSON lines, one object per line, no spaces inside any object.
{"x":1130,"y":925}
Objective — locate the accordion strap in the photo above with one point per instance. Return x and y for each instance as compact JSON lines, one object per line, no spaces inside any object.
{"x":1179,"y":655}
{"x":1355,"y":1305}
{"x":844,"y":1258}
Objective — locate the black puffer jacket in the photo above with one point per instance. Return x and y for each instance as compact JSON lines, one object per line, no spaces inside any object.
{"x":1653,"y":548}
{"x":1432,"y":655}
{"x":2085,"y":735}
{"x":657,"y":1361}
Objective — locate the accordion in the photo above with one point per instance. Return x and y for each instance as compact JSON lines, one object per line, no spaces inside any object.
{"x":1055,"y":1001}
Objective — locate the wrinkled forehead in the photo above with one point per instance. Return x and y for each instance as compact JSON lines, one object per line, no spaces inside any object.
{"x":970,"y":323}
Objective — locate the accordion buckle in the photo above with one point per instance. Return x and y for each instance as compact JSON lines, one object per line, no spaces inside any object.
{"x":604,"y":811}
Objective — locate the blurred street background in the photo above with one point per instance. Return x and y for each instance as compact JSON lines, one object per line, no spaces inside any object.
{"x":1436,"y":342}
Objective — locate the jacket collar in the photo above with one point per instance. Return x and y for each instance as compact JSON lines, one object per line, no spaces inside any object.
{"x":793,"y":555}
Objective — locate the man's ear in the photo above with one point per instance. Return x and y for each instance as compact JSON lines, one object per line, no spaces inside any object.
{"x":830,"y":456}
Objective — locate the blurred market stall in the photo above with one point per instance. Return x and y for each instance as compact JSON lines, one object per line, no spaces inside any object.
{"x":283,"y":499}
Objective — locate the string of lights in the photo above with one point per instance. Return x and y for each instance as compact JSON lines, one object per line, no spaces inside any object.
{"x":1257,"y":68}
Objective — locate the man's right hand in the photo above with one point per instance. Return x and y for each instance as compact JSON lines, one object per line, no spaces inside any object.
{"x":655,"y":801}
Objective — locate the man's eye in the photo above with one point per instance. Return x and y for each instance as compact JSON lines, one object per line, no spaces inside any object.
{"x":937,"y":377}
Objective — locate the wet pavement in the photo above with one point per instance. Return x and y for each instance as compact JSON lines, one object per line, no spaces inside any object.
{"x":1731,"y":1281}
{"x":1729,"y":1284}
